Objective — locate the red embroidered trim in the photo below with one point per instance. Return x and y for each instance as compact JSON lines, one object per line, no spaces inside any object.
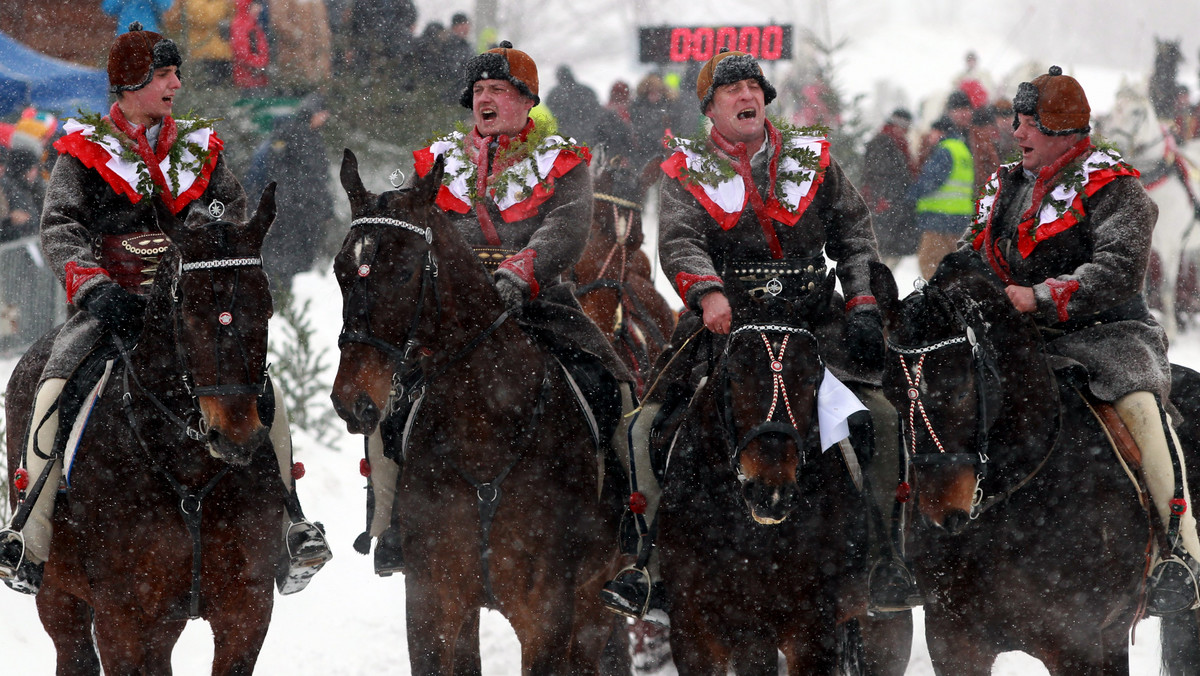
{"x":566,"y":161}
{"x":1060,"y":292}
{"x":859,"y":300}
{"x":176,"y":204}
{"x":93,"y":156}
{"x":983,"y":241}
{"x":674,"y":166}
{"x":521,"y":265}
{"x":685,"y":281}
{"x":76,"y":276}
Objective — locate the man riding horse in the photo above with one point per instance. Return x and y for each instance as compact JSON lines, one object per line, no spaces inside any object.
{"x":115,"y":177}
{"x":753,"y":202}
{"x":523,"y":200}
{"x":1068,"y":231}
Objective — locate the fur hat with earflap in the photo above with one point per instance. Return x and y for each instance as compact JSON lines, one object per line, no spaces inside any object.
{"x":1056,"y":102}
{"x":135,"y":56}
{"x":726,"y":68}
{"x":501,"y":63}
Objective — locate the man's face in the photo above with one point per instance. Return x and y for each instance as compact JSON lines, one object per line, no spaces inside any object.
{"x":961,"y":117}
{"x":498,"y":108}
{"x":1037,"y":149}
{"x":738,"y":111}
{"x":153,"y":102}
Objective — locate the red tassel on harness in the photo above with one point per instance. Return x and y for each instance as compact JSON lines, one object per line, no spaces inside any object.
{"x":364,"y":467}
{"x":1178,"y":506}
{"x":903,"y":492}
{"x":21,"y":479}
{"x":297,"y":470}
{"x":637,"y":503}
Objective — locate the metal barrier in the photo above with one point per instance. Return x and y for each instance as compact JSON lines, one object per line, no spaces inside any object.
{"x":31,"y":299}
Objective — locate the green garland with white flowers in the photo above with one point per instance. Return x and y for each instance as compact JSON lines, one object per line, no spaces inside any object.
{"x":146,"y":187}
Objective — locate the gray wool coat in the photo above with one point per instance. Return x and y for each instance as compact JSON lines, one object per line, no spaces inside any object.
{"x":80,"y":209}
{"x":836,"y":224}
{"x":1106,"y":254}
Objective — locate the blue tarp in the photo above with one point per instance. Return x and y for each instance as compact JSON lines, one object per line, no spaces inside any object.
{"x":28,"y":78}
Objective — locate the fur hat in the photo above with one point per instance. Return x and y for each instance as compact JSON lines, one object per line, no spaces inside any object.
{"x":501,"y":63}
{"x":136,"y":55}
{"x":726,"y":68}
{"x":1057,"y":103}
{"x":958,"y":99}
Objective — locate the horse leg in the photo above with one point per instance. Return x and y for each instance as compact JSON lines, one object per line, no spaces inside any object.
{"x":695,"y":649}
{"x":466,"y":648}
{"x":432,"y":631}
{"x":239,"y":627}
{"x":954,"y":652}
{"x":68,"y":621}
{"x":160,"y":643}
{"x":543,"y":626}
{"x":812,"y":649}
{"x":887,"y":643}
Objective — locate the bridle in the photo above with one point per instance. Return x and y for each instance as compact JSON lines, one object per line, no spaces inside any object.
{"x":987,"y":398}
{"x":407,"y":379}
{"x":779,"y":391}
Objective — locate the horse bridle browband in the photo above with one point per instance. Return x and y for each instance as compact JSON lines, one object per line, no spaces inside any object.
{"x":406,"y":379}
{"x":982,"y":368}
{"x":778,"y":390}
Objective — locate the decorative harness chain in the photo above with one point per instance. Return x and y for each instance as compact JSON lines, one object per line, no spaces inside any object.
{"x":913,"y":376}
{"x":778,"y":388}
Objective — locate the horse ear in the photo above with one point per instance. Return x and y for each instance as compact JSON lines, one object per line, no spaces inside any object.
{"x":352,"y":183}
{"x":264,"y":215}
{"x":887,"y":296}
{"x":427,"y":186}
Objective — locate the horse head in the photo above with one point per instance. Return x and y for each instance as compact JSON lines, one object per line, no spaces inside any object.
{"x":944,"y":341}
{"x":220,"y":307}
{"x":398,"y":314}
{"x":1133,"y":127}
{"x":767,"y":386}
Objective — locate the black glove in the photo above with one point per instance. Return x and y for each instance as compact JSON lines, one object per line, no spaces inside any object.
{"x":511,"y":292}
{"x":121,"y":312}
{"x":864,"y":339}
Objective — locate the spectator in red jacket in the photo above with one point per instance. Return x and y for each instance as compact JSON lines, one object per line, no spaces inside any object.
{"x":249,"y":43}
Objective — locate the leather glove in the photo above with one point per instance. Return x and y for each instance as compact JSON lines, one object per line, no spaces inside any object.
{"x":511,"y":291}
{"x":121,"y":312}
{"x":864,"y":339}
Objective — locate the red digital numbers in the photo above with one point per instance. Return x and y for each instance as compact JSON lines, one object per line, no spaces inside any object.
{"x":701,"y":43}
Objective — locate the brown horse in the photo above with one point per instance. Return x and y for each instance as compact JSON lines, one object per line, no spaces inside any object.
{"x":613,"y":274}
{"x":763,"y":540}
{"x":154,"y":530}
{"x":1030,"y":534}
{"x":498,"y":490}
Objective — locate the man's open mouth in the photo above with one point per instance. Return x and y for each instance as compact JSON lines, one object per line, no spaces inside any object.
{"x":487,"y":114}
{"x":747,"y":114}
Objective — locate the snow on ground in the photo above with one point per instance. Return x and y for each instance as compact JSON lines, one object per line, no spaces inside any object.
{"x":351,"y":622}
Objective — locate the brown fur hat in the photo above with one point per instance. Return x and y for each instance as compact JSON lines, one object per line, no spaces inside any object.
{"x":726,"y":68}
{"x":1056,"y":102}
{"x":501,"y":63}
{"x":135,"y":56}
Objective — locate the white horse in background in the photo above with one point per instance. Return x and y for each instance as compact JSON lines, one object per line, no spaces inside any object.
{"x":1171,"y":174}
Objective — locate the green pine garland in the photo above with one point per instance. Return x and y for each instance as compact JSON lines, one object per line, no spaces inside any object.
{"x":518,"y":153}
{"x":716,"y":168}
{"x":146,"y":187}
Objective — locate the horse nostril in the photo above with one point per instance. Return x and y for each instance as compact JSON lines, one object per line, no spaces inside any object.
{"x":366,"y":413}
{"x":956,"y":522}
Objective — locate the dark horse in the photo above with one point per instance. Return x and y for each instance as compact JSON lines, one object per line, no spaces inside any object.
{"x":615,"y":285}
{"x":763,"y":540}
{"x":1031,"y":535}
{"x":126,"y":560}
{"x":499,"y":485}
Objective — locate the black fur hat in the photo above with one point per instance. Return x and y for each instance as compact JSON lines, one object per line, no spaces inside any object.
{"x":501,"y":63}
{"x":726,"y":68}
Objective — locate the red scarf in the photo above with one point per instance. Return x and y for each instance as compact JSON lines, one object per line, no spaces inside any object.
{"x":137,"y":134}
{"x":480,"y":145}
{"x":740,"y":160}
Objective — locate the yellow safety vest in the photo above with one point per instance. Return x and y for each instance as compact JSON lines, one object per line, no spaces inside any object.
{"x":956,"y":196}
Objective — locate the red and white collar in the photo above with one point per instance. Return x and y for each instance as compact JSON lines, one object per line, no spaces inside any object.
{"x":792,"y":190}
{"x":176,"y":182}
